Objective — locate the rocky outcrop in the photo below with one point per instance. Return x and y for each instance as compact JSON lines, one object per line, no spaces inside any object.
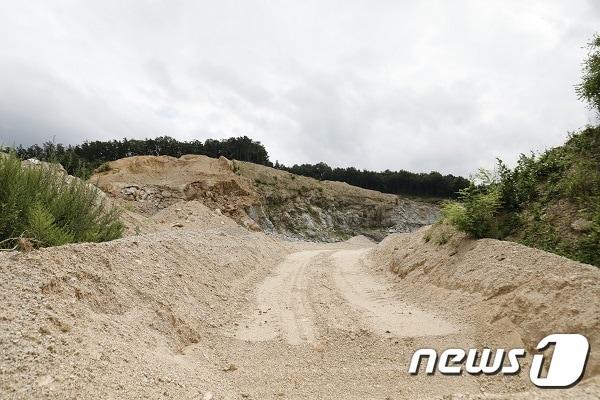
{"x":314,"y":216}
{"x":262,"y":198}
{"x":301,"y":207}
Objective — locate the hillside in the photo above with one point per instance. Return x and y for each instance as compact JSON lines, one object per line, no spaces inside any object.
{"x":561,"y":211}
{"x":550,"y":201}
{"x":261,"y":198}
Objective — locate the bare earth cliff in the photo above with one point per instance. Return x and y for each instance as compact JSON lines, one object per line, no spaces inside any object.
{"x":263,"y":198}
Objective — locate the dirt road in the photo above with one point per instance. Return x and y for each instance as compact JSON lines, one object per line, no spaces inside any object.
{"x":326,"y":324}
{"x":315,"y":291}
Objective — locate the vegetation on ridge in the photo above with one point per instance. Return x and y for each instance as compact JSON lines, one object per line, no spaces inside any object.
{"x":432,"y":184}
{"x":81,"y":160}
{"x":550,"y":201}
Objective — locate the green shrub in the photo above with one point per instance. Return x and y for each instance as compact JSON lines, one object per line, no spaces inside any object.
{"x":588,"y":249}
{"x":536,"y":202}
{"x":43,"y":227}
{"x":442,"y":238}
{"x":44,"y":205}
{"x":476,"y":212}
{"x":456,"y":214}
{"x":104,"y":167}
{"x":589,"y":88}
{"x":581,"y":181}
{"x":427,"y":236}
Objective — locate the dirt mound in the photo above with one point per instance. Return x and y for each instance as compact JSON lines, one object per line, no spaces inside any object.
{"x":188,"y":215}
{"x":116,"y":319}
{"x":260,"y":197}
{"x":524,"y":293}
{"x":151,"y":184}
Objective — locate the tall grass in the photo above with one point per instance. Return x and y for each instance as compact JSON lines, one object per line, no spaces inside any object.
{"x":44,"y":206}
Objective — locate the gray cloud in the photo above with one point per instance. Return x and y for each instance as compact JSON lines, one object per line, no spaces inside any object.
{"x":380,"y":85}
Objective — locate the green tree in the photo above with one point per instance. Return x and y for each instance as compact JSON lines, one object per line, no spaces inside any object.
{"x":589,"y":88}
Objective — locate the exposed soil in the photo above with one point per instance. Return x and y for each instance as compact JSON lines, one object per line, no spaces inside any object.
{"x":261,"y":198}
{"x":209,"y":309}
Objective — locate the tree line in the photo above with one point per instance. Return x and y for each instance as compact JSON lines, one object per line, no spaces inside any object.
{"x":82,"y":159}
{"x":432,"y":184}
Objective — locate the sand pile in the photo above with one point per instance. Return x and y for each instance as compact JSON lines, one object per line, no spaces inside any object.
{"x":207,"y":310}
{"x":188,"y":215}
{"x":522,"y":294}
{"x":116,"y":319}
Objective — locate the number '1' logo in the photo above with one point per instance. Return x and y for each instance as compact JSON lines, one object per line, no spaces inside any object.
{"x":564,"y":369}
{"x":567,"y":363}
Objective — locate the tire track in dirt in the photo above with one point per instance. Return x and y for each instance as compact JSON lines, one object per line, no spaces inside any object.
{"x":286,"y":301}
{"x":282,"y":304}
{"x":373,"y":300}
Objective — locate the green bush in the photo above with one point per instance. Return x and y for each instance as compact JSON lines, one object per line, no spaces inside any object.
{"x":581,"y":180}
{"x":45,"y":206}
{"x":104,"y":167}
{"x":43,"y":227}
{"x":589,"y":88}
{"x":588,"y":249}
{"x":479,"y":204}
{"x":427,"y":236}
{"x":456,"y":214}
{"x":536,"y":202}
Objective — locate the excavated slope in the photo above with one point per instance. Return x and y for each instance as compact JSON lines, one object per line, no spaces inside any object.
{"x":262,"y":198}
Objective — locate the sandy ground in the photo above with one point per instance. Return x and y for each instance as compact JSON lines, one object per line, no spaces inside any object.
{"x":324,"y":325}
{"x":209,"y":310}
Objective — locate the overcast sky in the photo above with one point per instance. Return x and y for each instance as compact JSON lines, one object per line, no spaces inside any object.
{"x":428,"y":85}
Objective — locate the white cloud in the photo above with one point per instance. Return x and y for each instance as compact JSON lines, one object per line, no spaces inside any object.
{"x":379,"y":85}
